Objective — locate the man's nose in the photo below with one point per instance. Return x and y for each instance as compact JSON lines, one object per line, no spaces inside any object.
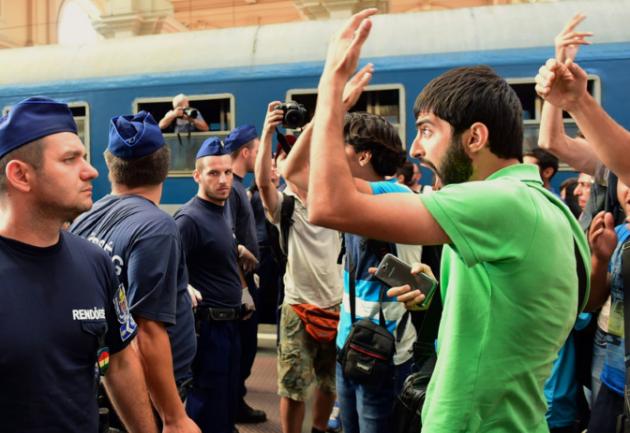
{"x":417,"y":151}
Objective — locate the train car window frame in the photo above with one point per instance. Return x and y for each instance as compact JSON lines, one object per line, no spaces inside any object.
{"x":199,"y":136}
{"x":401,"y":125}
{"x":533,"y":123}
{"x":86,"y":123}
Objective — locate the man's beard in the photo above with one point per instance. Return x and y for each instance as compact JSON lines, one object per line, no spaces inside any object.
{"x":456,"y":166}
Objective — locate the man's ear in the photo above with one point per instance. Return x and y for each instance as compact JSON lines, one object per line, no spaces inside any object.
{"x":365,"y":157}
{"x":19,"y":175}
{"x":476,"y":138}
{"x":196,"y":175}
{"x":546,"y":173}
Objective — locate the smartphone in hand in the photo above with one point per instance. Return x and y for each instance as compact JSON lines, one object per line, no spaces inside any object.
{"x":393,"y":272}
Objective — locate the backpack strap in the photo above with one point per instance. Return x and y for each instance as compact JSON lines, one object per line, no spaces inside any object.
{"x":286,"y":220}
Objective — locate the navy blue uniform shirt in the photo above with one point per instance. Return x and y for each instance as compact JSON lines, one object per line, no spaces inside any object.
{"x":240,"y":217}
{"x":211,"y":253}
{"x":56,"y":303}
{"x":144,"y":245}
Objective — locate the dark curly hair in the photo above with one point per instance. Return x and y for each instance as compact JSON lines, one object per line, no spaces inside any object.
{"x":369,"y":132}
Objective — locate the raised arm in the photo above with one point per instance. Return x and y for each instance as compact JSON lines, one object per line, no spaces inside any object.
{"x":170,"y":117}
{"x":564,"y":85}
{"x":574,"y":151}
{"x":296,"y":167}
{"x":334,"y":200}
{"x":262,"y":168}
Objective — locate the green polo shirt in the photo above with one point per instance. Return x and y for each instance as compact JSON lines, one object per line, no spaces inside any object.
{"x":510,"y":293}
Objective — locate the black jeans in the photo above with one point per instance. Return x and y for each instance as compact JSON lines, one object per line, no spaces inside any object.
{"x":607,"y":408}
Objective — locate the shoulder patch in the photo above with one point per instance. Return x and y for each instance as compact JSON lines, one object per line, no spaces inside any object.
{"x":127,"y":324}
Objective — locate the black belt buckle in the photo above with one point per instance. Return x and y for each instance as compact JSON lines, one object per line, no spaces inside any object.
{"x":222,"y":314}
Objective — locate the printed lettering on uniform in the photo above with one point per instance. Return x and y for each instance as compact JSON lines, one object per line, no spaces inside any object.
{"x":127,"y":324}
{"x":94,"y":313}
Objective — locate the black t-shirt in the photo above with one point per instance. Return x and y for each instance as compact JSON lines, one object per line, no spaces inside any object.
{"x":240,"y":216}
{"x":144,"y":244}
{"x":56,"y":303}
{"x":211,"y":253}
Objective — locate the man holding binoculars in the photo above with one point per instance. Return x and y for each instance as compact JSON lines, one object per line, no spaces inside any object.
{"x":187,"y":119}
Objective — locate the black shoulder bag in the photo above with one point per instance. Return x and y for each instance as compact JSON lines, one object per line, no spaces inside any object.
{"x":367,"y":356}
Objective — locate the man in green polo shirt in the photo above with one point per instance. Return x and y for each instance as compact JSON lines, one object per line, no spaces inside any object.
{"x":509,"y":280}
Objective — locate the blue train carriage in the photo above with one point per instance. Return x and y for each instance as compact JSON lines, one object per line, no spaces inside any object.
{"x":231,"y":74}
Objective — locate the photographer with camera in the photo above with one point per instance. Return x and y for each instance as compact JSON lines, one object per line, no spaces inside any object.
{"x":186,"y":118}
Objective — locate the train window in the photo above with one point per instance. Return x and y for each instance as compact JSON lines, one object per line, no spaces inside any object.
{"x":80,"y":111}
{"x":532,"y":109}
{"x":216,"y":110}
{"x":387,"y":100}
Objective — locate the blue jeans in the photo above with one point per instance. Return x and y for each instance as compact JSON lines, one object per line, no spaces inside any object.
{"x":599,"y":356}
{"x":368,"y":410}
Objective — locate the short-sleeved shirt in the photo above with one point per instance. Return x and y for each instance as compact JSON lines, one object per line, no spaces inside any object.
{"x":211,"y":254}
{"x":56,"y":303}
{"x":368,"y":289}
{"x":510,"y":295}
{"x":614,"y":371}
{"x":312,"y":275}
{"x":240,"y":216}
{"x":144,"y":245}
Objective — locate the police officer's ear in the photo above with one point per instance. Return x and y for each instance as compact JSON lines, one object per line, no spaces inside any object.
{"x":20,"y":175}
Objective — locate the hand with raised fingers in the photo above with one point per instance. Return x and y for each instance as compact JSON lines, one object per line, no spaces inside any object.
{"x":561,"y":84}
{"x":345,"y":46}
{"x":356,"y":85}
{"x":568,"y":41}
{"x":602,"y":237}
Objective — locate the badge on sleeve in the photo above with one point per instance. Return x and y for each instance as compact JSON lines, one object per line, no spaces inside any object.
{"x":127,"y":324}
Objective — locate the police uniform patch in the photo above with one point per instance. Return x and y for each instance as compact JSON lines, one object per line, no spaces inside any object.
{"x":127,"y":324}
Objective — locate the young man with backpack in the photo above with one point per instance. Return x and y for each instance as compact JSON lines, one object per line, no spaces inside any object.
{"x":313,"y":287}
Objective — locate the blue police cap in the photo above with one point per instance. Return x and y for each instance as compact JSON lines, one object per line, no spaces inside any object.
{"x":134,"y":136}
{"x":239,"y":136}
{"x":32,"y":119}
{"x":212,"y":147}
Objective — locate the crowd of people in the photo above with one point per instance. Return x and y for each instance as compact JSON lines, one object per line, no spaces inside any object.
{"x":163,"y":310}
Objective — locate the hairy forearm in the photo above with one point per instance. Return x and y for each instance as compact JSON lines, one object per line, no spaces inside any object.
{"x":155,"y":353}
{"x":296,"y":166}
{"x":127,"y":390}
{"x":600,"y":288}
{"x":610,"y":141}
{"x":327,"y":158}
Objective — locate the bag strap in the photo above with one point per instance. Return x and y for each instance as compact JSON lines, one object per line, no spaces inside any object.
{"x":286,"y":221}
{"x":625,"y":271}
{"x":352,"y":286}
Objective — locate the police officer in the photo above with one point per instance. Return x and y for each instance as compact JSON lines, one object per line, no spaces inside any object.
{"x":242,"y":143}
{"x":144,"y":244}
{"x":62,"y":309}
{"x":212,"y":261}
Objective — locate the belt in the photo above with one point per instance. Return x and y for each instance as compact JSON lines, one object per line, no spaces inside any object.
{"x":218,"y":314}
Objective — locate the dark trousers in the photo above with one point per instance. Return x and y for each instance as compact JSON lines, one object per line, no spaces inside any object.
{"x":248,"y":330}
{"x":607,"y":408}
{"x":212,"y":401}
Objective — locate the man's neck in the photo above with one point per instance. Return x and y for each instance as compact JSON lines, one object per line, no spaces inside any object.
{"x":238,"y":168}
{"x":485,"y":167}
{"x":152,"y":193}
{"x":204,"y":197}
{"x":28,"y":225}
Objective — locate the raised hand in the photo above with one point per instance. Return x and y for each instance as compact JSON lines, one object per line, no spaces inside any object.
{"x":602,"y":237}
{"x":273,"y":117}
{"x":345,"y":47}
{"x":568,"y":41}
{"x":356,"y":85}
{"x":562,"y":84}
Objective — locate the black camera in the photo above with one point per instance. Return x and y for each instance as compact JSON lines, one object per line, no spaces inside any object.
{"x":295,"y":115}
{"x":193,"y":113}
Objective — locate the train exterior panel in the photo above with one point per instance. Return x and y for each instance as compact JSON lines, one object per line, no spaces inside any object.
{"x":239,"y":73}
